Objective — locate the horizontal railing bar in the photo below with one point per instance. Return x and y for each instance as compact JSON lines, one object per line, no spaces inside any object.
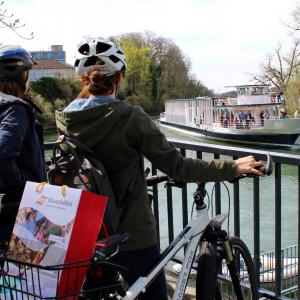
{"x":291,"y":159}
{"x":236,"y":151}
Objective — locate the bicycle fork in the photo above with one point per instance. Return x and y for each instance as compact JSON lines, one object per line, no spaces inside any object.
{"x":217,"y":236}
{"x":234,"y":270}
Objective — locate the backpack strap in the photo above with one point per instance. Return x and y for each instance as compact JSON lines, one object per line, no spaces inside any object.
{"x":66,"y":145}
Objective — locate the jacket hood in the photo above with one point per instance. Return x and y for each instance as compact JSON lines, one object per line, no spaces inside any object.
{"x":8,"y":100}
{"x":92,"y":124}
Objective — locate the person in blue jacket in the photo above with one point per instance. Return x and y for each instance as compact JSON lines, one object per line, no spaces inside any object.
{"x":21,"y":138}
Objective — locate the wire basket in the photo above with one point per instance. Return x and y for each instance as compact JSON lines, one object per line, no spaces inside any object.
{"x":77,"y":280}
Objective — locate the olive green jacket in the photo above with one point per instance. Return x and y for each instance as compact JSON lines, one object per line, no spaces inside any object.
{"x":120,"y":135}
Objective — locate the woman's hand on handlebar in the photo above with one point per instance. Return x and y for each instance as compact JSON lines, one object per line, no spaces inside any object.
{"x":248,"y":165}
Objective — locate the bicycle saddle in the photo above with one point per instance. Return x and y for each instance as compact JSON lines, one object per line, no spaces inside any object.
{"x":109,"y":246}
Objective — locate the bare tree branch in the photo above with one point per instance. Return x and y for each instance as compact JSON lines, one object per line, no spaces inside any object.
{"x":10,"y":21}
{"x":279,"y":69}
{"x":295,"y":23}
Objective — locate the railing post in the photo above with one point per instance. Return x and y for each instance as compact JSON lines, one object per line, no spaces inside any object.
{"x":199,"y":155}
{"x":184,"y":199}
{"x":298,"y":291}
{"x":278,"y":264}
{"x":170,"y":213}
{"x":217,"y":191}
{"x":155,"y":205}
{"x":236,"y":211}
{"x":256,"y":224}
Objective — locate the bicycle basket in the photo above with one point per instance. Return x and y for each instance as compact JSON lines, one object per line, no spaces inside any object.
{"x":21,"y":280}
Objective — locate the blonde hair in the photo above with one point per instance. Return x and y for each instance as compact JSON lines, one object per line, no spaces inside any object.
{"x":94,"y":83}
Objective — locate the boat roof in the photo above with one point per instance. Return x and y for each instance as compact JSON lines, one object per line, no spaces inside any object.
{"x":247,"y":105}
{"x":186,"y":99}
{"x":249,"y":85}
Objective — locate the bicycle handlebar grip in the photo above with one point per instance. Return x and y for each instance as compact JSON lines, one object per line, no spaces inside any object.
{"x":267,"y":169}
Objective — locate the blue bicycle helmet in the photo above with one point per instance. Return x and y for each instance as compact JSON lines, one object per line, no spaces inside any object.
{"x":14,"y":60}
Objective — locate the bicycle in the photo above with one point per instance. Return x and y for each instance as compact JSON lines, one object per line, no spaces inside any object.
{"x":213,"y":280}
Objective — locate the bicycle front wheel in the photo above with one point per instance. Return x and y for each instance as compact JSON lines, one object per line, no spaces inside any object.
{"x":209,"y":286}
{"x":245,"y":274}
{"x":207,"y":271}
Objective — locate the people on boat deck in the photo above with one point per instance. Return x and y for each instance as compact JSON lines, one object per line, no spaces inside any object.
{"x":21,"y":142}
{"x":121,"y":135}
{"x":266,"y":115}
{"x":283,"y":114}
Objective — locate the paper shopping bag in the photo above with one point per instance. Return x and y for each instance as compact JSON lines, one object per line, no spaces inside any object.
{"x":54,"y":226}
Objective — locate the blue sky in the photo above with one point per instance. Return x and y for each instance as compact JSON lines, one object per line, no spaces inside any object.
{"x":224,"y":39}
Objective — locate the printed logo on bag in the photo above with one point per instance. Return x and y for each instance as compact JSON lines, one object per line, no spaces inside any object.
{"x":41,"y":200}
{"x":56,"y":202}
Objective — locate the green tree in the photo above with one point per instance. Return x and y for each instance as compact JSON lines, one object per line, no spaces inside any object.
{"x":293,"y":95}
{"x":138,"y":61}
{"x":55,"y":88}
{"x":157,"y":70}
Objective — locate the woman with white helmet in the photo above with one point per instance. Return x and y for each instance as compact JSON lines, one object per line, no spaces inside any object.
{"x":21,"y":142}
{"x":121,"y":135}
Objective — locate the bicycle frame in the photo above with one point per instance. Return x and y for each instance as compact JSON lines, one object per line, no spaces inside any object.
{"x":189,"y":236}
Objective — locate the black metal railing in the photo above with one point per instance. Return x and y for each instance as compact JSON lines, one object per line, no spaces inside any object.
{"x":278,"y":288}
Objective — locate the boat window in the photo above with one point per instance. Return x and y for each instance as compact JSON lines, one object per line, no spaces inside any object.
{"x":241,"y":91}
{"x":257,"y":90}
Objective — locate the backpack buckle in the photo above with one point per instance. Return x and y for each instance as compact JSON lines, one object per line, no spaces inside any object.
{"x":60,"y":139}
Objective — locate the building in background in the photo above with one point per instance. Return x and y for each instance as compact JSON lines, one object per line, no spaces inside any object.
{"x":56,"y":53}
{"x":51,"y":63}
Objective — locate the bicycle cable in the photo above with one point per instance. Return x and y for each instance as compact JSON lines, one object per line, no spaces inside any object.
{"x":229,"y":204}
{"x":212,"y":204}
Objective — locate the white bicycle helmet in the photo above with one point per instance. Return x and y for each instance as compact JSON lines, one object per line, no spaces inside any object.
{"x":92,"y":49}
{"x":14,"y":60}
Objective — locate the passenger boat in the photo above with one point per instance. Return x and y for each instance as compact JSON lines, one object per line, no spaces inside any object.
{"x":255,"y":115}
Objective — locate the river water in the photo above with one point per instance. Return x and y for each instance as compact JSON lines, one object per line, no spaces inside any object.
{"x":289,"y":208}
{"x":267,"y":204}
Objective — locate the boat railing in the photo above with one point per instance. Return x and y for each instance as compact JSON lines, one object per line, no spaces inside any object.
{"x":276,"y":99}
{"x":245,"y":124}
{"x":289,"y":267}
{"x":232,"y":124}
{"x":225,"y":101}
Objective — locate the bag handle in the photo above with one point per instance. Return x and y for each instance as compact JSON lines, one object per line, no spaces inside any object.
{"x":41,"y":185}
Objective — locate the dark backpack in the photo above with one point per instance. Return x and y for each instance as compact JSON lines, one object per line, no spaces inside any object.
{"x":75,"y":165}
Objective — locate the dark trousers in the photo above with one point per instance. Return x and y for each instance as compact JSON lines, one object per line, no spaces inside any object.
{"x":5,"y":233}
{"x":138,"y":263}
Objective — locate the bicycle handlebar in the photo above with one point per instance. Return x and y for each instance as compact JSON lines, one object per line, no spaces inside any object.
{"x":152,"y":180}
